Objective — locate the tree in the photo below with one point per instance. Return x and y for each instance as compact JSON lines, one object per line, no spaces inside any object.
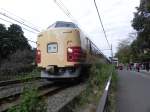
{"x":124,"y":51}
{"x":136,"y":50}
{"x":141,"y":23}
{"x":12,"y":40}
{"x":3,"y":40}
{"x":17,"y":38}
{"x":138,"y":21}
{"x":15,"y":52}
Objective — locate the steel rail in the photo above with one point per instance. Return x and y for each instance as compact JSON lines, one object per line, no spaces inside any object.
{"x":9,"y":82}
{"x":102,"y":106}
{"x":44,"y":91}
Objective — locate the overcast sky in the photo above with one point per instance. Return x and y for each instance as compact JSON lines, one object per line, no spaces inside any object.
{"x":116,"y":16}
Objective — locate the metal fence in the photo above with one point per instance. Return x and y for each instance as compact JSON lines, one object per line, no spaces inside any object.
{"x":104,"y":102}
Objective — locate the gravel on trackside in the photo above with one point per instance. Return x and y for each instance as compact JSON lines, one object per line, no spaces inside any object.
{"x":18,"y":88}
{"x":56,"y":102}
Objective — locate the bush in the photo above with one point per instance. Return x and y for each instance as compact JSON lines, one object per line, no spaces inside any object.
{"x":89,"y":98}
{"x":20,"y":61}
{"x":30,"y":102}
{"x":98,"y":76}
{"x":112,"y":107}
{"x":99,"y":73}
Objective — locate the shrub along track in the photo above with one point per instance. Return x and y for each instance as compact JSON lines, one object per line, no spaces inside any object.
{"x":10,"y":94}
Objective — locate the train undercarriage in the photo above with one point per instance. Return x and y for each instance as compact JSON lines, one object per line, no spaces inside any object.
{"x":53,"y":72}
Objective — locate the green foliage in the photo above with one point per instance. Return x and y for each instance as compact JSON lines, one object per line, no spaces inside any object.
{"x":141,"y":23}
{"x":3,"y":34}
{"x":145,"y":57}
{"x":124,"y":52}
{"x":113,"y":93}
{"x":28,"y":76}
{"x":138,"y":22}
{"x":12,"y":40}
{"x":17,"y":37}
{"x":20,"y":61}
{"x":114,"y":80}
{"x":99,"y":74}
{"x":30,"y":102}
{"x":89,"y":98}
{"x":16,"y":55}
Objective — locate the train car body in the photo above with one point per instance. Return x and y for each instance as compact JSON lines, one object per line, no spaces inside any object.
{"x":63,"y":49}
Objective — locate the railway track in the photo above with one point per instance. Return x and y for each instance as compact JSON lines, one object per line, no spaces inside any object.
{"x":9,"y":82}
{"x":13,"y":98}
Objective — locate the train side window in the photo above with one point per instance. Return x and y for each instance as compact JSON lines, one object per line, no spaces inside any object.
{"x":52,"y":47}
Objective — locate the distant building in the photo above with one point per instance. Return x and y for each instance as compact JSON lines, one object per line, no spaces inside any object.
{"x":115,"y":61}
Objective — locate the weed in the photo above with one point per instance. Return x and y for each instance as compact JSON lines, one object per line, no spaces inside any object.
{"x":112,"y":93}
{"x":98,"y":76}
{"x":30,"y":102}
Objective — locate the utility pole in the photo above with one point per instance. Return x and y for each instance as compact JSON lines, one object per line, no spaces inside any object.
{"x":111,"y":54}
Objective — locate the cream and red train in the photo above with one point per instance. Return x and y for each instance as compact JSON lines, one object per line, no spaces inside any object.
{"x":62,"y":51}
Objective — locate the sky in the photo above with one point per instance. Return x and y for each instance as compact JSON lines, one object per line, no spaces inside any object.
{"x":116,"y":16}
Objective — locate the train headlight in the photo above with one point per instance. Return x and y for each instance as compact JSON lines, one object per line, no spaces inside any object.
{"x":70,"y":50}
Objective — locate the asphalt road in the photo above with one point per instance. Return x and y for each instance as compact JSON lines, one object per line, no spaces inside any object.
{"x":133,"y":93}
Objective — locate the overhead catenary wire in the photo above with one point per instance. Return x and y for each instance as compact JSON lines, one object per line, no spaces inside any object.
{"x":102,"y":25}
{"x":65,"y":10}
{"x":20,"y":21}
{"x":23,"y":20}
{"x":62,"y":6}
{"x":32,"y":41}
{"x":22,"y":28}
{"x":70,"y":15}
{"x":4,"y":14}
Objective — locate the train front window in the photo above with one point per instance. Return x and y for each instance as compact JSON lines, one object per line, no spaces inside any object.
{"x":52,"y":48}
{"x":65,"y":24}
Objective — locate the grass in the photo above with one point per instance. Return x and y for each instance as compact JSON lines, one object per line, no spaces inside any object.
{"x":22,"y":76}
{"x":98,"y":76}
{"x":34,"y":73}
{"x":30,"y":102}
{"x":113,"y":91}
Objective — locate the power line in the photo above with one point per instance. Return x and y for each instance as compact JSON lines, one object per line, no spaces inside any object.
{"x":22,"y":28}
{"x":23,"y":20}
{"x":65,"y":10}
{"x":102,"y":25}
{"x":32,"y":41}
{"x":14,"y":23}
{"x":4,"y":14}
{"x":70,"y":15}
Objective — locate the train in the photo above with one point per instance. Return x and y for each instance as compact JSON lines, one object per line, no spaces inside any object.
{"x":63,"y":50}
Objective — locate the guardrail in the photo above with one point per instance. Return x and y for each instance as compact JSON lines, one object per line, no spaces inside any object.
{"x":103,"y":103}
